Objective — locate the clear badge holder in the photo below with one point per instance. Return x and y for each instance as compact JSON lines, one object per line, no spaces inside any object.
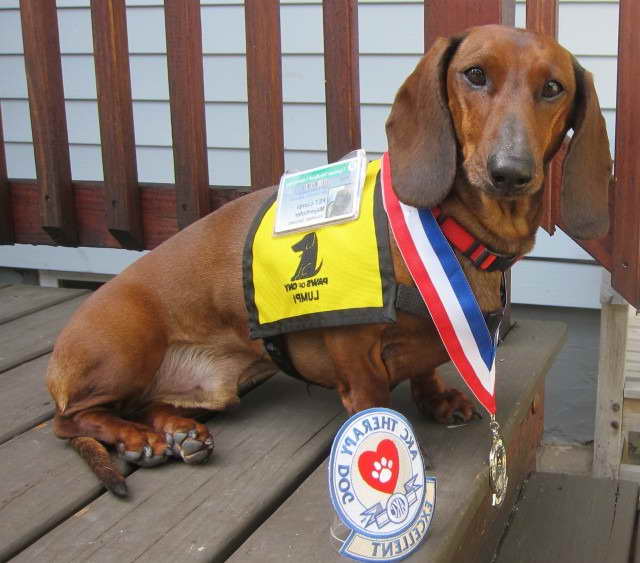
{"x":325,"y":195}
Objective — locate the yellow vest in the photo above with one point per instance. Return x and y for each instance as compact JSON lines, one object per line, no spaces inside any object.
{"x":331,"y":275}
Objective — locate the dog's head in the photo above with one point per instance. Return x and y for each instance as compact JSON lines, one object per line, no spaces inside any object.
{"x":494,"y":105}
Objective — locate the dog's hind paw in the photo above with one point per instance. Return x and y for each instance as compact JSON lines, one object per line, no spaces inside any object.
{"x":192,"y":446}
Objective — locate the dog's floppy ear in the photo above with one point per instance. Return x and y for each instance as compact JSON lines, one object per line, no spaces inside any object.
{"x":587,"y":167}
{"x":422,"y":143}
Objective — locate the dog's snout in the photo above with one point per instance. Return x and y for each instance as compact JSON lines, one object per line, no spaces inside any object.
{"x":510,"y":173}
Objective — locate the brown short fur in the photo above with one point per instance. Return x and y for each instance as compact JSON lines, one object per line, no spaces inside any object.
{"x":169,"y":336}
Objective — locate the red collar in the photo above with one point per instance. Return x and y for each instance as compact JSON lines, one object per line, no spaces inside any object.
{"x":465,"y":243}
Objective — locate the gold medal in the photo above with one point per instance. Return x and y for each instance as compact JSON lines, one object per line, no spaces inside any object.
{"x":498,"y":479}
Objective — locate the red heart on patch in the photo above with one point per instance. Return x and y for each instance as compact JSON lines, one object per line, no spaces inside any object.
{"x":380,"y":469}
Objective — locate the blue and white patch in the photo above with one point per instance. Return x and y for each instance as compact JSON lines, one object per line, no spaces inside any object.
{"x":378,"y":486}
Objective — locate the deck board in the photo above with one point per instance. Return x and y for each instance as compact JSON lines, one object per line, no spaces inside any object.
{"x":53,"y":509}
{"x":299,"y":529}
{"x":264,"y":449}
{"x":42,"y":481}
{"x":20,"y":300}
{"x":24,"y":399}
{"x":31,"y":336}
{"x":572,"y":519}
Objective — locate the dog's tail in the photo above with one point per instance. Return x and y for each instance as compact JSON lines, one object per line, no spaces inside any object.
{"x":99,"y":461}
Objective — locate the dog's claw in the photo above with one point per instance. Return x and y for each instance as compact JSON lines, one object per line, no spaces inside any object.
{"x":144,"y":457}
{"x":198,"y":457}
{"x":190,"y":446}
{"x":457,"y":417}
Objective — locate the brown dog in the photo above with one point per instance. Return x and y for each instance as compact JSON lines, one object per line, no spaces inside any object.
{"x":472,"y":129}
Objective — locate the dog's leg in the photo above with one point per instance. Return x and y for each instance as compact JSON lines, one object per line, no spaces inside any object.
{"x":188,"y":440}
{"x":136,"y":443}
{"x":361,"y":378}
{"x":356,"y":398}
{"x":447,"y":406}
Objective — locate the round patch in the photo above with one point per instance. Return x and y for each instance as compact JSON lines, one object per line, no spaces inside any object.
{"x":376,"y":474}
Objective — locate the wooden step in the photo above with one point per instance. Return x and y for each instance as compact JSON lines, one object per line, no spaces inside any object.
{"x":264,"y":450}
{"x":42,"y":482}
{"x":20,"y":300}
{"x":30,"y":319}
{"x":33,"y":335}
{"x":572,"y":519}
{"x":24,"y":398}
{"x":53,"y":509}
{"x":465,"y":527}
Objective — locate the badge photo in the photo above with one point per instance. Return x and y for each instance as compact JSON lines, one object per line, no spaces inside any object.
{"x":378,"y":486}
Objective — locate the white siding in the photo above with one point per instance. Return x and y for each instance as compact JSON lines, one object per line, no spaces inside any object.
{"x":391,"y":39}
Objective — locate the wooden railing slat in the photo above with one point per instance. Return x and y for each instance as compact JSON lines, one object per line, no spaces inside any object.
{"x":542,"y":17}
{"x":158,"y":212}
{"x":7,"y":232}
{"x":186,"y":87}
{"x":113,"y":84}
{"x":341,"y":71}
{"x":625,"y":274}
{"x":264,"y":90}
{"x":445,"y":17}
{"x":48,"y":122}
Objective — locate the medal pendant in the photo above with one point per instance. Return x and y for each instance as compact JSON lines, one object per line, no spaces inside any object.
{"x":498,"y":479}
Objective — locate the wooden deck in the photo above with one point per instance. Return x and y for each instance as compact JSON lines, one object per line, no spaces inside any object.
{"x":263,"y":495}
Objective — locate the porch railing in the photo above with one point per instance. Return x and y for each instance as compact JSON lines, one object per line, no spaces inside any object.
{"x":123,"y":212}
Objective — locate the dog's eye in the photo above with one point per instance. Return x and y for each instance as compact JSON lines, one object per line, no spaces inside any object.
{"x":476,"y":76}
{"x":552,"y":89}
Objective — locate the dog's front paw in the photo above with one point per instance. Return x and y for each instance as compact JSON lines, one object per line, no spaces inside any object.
{"x":192,"y":446}
{"x":447,"y":407}
{"x":146,"y":449}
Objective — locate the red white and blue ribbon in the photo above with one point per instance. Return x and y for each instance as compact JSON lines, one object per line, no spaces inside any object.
{"x":445,"y":291}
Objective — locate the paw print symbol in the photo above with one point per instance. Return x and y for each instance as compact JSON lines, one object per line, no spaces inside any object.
{"x":382,"y":469}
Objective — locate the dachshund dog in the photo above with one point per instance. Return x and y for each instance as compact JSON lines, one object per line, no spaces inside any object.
{"x":472,"y":130}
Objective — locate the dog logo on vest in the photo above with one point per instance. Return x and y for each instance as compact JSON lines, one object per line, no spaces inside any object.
{"x":378,"y":486}
{"x":308,"y":246}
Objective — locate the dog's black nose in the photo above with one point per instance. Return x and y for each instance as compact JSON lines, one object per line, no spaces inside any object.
{"x":509,"y":173}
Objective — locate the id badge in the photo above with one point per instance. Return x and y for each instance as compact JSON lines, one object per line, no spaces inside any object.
{"x":321,"y":196}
